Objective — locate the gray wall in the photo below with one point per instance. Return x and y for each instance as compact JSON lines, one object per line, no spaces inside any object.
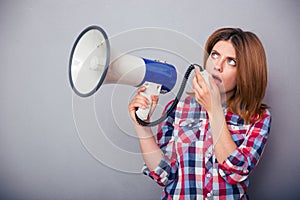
{"x":54,"y":145}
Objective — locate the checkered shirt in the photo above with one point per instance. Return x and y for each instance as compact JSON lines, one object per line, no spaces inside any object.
{"x":189,"y":169}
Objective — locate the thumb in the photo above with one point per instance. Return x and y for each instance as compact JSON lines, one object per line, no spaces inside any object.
{"x":154,"y":99}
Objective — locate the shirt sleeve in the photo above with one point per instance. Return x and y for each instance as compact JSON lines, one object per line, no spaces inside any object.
{"x":243,"y":160}
{"x":166,"y":171}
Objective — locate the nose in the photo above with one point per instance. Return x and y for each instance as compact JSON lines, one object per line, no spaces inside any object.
{"x":218,"y":65}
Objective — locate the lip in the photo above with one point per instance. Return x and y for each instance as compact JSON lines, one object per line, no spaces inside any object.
{"x":217,"y":78}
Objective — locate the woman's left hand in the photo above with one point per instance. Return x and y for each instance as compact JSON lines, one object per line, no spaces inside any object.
{"x":208,"y":96}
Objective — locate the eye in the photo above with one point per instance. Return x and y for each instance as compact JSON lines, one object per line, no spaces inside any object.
{"x":214,"y":54}
{"x":231,"y":61}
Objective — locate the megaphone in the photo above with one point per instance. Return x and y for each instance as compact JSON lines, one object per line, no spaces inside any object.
{"x":94,"y":63}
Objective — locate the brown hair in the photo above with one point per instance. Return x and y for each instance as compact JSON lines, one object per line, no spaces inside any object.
{"x":251,"y":71}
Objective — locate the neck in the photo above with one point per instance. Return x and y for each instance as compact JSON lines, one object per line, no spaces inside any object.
{"x":227,"y":95}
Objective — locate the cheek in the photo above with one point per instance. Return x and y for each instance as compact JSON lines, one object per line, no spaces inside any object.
{"x":209,"y":65}
{"x":231,"y":81}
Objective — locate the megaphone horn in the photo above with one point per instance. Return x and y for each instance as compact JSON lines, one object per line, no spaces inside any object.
{"x":94,"y":63}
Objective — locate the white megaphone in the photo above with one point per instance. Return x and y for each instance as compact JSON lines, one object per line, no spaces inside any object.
{"x":93,"y":63}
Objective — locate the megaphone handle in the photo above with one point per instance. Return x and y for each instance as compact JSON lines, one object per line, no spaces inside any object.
{"x":176,"y":100}
{"x":151,"y":89}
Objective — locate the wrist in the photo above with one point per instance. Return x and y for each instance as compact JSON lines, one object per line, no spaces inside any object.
{"x":143,"y":132}
{"x":215,"y":112}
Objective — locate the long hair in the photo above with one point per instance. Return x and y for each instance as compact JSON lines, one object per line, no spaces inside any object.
{"x":251,"y":71}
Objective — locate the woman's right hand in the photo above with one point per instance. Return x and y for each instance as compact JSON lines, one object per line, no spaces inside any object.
{"x":140,"y":101}
{"x":151,"y":152}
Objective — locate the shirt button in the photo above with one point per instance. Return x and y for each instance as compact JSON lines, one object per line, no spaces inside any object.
{"x":208,"y":175}
{"x":208,"y":194}
{"x":208,"y":155}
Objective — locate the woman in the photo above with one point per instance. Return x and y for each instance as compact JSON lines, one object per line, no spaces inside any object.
{"x":212,"y":141}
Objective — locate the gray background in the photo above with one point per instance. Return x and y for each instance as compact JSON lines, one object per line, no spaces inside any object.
{"x":45,"y":149}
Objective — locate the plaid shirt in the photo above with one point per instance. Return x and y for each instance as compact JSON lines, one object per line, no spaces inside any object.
{"x":189,"y":169}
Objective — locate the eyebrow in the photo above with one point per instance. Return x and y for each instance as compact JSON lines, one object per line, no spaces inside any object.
{"x":230,"y":57}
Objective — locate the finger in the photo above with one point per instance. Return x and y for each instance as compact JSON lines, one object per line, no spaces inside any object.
{"x":138,"y":101}
{"x":196,"y":88}
{"x":196,"y":85}
{"x":141,"y":97}
{"x":142,"y":101}
{"x":154,"y":99}
{"x":141,"y":89}
{"x":198,"y":75}
{"x":200,"y":92}
{"x":133,"y":108}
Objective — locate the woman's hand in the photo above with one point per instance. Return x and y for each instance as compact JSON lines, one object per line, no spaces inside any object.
{"x":208,"y":96}
{"x":151,"y":152}
{"x":139,"y":101}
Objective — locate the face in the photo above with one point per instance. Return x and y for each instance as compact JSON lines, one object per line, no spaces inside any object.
{"x":221,"y":64}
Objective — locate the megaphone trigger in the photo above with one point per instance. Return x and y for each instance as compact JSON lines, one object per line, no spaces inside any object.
{"x":151,"y":89}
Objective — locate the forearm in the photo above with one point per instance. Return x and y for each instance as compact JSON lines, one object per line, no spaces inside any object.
{"x":223,"y":142}
{"x":151,"y":152}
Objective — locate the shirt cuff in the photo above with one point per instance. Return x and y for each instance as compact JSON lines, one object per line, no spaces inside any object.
{"x":164,"y":173}
{"x":235,"y":168}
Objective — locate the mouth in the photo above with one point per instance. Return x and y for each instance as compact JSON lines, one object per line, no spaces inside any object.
{"x":218,"y":79}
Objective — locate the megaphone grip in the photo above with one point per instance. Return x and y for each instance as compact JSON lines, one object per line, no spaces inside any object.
{"x":176,"y":100}
{"x":151,"y":89}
